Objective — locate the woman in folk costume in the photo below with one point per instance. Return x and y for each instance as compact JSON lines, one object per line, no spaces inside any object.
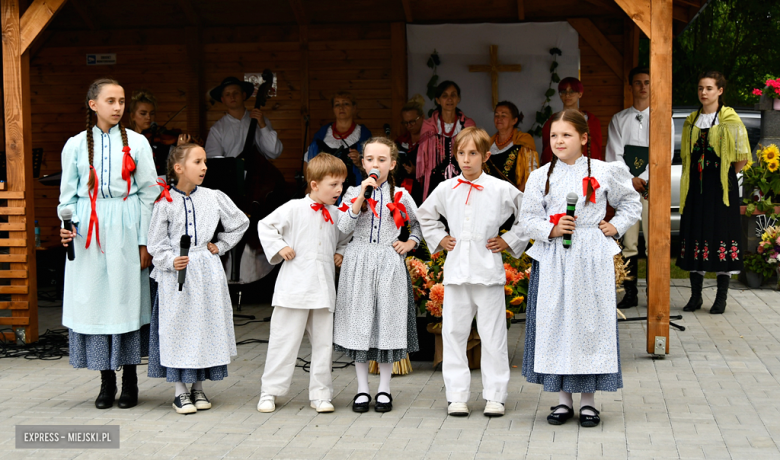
{"x":436,"y":161}
{"x":192,"y":336}
{"x":570,"y":91}
{"x":412,"y":118}
{"x":571,"y":343}
{"x":108,"y":188}
{"x":714,"y":149}
{"x":512,"y":152}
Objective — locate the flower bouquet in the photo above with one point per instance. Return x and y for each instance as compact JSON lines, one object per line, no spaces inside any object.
{"x":772,"y":89}
{"x":763,"y":177}
{"x":769,"y":248}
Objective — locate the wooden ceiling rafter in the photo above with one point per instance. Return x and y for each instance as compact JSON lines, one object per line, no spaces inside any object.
{"x":408,"y":10}
{"x":38,"y":15}
{"x":639,"y":12}
{"x":190,"y":12}
{"x":600,"y":43}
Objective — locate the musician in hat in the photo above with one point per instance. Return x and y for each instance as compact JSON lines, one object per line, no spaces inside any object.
{"x":227,"y":136}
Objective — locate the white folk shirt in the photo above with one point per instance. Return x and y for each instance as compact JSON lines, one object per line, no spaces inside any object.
{"x":630,"y":127}
{"x":228,"y":135}
{"x":472,"y":224}
{"x":308,"y":281}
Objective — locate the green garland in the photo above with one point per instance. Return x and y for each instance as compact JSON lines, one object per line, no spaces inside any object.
{"x":545,"y":112}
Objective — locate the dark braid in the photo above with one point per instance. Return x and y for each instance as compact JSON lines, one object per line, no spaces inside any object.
{"x":91,"y":149}
{"x":549,"y":173}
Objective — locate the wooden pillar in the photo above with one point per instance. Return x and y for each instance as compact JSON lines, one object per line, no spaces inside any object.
{"x":196,"y":102}
{"x":399,"y":74}
{"x":19,"y":190}
{"x":660,"y":173}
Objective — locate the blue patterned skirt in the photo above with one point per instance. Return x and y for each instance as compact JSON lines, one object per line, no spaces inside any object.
{"x":102,"y":352}
{"x":157,"y":370}
{"x":576,"y":383}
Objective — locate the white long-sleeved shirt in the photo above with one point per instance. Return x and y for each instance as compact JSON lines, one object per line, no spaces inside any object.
{"x":472,"y":224}
{"x":308,"y":281}
{"x":630,"y":127}
{"x":227,"y":137}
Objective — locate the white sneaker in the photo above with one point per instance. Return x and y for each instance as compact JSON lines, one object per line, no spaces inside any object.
{"x":267,"y":403}
{"x":494,"y":409}
{"x":457,"y":409}
{"x":322,"y":405}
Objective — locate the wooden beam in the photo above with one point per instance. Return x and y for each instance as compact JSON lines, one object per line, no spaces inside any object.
{"x":190,"y":12}
{"x":693,"y":3}
{"x":630,"y":57}
{"x":84,"y":13}
{"x":599,"y":43}
{"x":639,"y":12}
{"x":300,"y":12}
{"x":408,"y":11}
{"x":521,"y":10}
{"x":399,"y":73}
{"x":36,"y":18}
{"x":196,"y":103}
{"x":660,"y":173}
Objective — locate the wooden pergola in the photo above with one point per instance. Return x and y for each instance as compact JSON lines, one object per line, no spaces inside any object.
{"x":186,"y":46}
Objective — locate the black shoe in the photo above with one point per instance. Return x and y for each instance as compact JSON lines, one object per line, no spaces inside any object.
{"x":719,"y":306}
{"x":105,"y":399}
{"x":630,"y":298}
{"x":560,"y":419}
{"x":589,"y":421}
{"x":183,"y":405}
{"x":695,"y":302}
{"x":360,"y":407}
{"x":383,"y":407}
{"x":129,"y":396}
{"x":200,"y":400}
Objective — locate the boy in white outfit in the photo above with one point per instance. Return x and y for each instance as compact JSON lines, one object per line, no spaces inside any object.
{"x":304,"y":234}
{"x":475,"y":205}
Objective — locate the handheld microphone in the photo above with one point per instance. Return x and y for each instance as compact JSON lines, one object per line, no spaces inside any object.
{"x":386,"y":127}
{"x":66,"y":215}
{"x":571,"y":203}
{"x":184,"y":251}
{"x":370,"y":189}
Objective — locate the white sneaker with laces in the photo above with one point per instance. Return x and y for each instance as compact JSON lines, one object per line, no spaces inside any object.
{"x":267,"y":403}
{"x":458,"y":409}
{"x":322,"y":405}
{"x":494,"y":409}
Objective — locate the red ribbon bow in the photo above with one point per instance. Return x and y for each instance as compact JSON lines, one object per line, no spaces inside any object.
{"x":555,"y":218}
{"x":165,"y":191}
{"x":93,"y":217}
{"x":594,"y":183}
{"x":371,"y":204}
{"x":128,"y":167}
{"x":325,"y":214}
{"x":471,"y":186}
{"x":399,"y":210}
{"x":343,"y":207}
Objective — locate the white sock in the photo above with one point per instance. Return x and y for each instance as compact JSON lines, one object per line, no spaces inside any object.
{"x":385,"y":374}
{"x":564,"y":398}
{"x":198,"y":385}
{"x":587,"y":399}
{"x":181,"y":388}
{"x":361,"y":370}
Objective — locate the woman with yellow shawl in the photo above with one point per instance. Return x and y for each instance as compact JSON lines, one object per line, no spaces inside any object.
{"x":512,"y":153}
{"x":714,"y":149}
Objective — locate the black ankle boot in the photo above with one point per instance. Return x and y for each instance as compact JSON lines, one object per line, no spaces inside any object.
{"x":630,"y":298}
{"x":129,"y":396}
{"x":694,"y":303}
{"x":719,"y":306}
{"x":105,"y":399}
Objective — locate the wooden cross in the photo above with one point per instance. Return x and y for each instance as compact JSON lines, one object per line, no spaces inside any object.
{"x":494,"y":68}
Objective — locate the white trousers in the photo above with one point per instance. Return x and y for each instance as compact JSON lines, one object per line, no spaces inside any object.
{"x":631,"y":237}
{"x":461,"y":303}
{"x":287,"y":328}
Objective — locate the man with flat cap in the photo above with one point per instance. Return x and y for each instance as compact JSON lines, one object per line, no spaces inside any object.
{"x":227,"y":136}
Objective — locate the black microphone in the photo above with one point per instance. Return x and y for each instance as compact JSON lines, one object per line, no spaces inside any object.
{"x":571,"y":203}
{"x":370,"y":189}
{"x":386,"y":127}
{"x":66,"y":215}
{"x":183,"y":252}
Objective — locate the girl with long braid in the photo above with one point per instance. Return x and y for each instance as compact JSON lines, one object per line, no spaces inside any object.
{"x":571,"y":342}
{"x":108,"y":187}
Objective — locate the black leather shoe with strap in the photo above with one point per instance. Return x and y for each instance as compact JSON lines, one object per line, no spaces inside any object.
{"x":560,"y":418}
{"x":589,"y":421}
{"x":363,"y":406}
{"x":383,"y":406}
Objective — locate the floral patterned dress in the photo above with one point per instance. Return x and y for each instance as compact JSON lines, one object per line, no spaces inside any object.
{"x":710,"y":231}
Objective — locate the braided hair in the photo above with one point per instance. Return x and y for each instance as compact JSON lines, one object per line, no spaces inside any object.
{"x":576,"y":119}
{"x":92,"y":95}
{"x":393,"y":157}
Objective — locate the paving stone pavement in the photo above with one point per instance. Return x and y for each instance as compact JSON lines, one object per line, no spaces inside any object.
{"x":712,"y":397}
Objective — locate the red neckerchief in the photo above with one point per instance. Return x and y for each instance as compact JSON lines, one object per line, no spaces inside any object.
{"x":339,"y":135}
{"x":93,"y":217}
{"x":165,"y":191}
{"x":594,"y":183}
{"x":128,"y":167}
{"x":555,"y":218}
{"x":325,"y":214}
{"x":471,"y":186}
{"x":399,"y":210}
{"x":371,"y":204}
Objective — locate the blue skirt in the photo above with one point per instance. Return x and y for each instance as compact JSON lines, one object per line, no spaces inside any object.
{"x":157,"y":370}
{"x":102,"y":352}
{"x":578,"y":383}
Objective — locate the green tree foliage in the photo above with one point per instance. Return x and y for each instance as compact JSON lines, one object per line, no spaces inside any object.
{"x":736,"y":37}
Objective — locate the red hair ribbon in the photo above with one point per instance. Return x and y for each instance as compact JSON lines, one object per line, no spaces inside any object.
{"x":555,"y":218}
{"x":399,"y":210}
{"x":93,"y":217}
{"x":128,"y":167}
{"x":471,"y":186}
{"x":343,"y":207}
{"x":165,"y":191}
{"x":325,"y":214}
{"x":371,"y":204}
{"x":594,"y":183}
{"x":408,"y":183}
